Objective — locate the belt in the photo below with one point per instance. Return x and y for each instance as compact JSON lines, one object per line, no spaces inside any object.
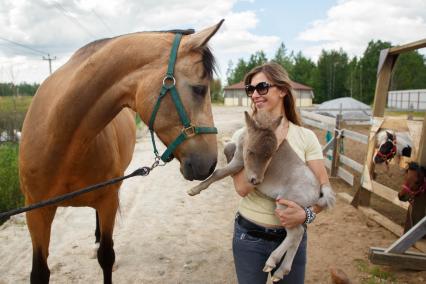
{"x":257,"y":231}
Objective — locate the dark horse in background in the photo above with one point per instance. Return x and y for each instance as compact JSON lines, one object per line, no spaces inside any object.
{"x":413,"y":191}
{"x":80,"y":127}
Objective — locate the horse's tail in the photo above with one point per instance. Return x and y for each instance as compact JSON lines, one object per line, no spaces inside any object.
{"x":327,"y":197}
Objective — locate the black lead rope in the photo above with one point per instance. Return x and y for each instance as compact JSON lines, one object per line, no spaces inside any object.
{"x":144,"y":171}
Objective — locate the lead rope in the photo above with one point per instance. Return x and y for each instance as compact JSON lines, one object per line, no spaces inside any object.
{"x":144,"y":171}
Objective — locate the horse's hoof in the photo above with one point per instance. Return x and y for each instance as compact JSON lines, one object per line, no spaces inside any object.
{"x":94,"y":252}
{"x":275,"y":278}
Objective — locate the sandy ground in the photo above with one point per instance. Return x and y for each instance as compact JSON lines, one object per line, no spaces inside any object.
{"x":165,"y":236}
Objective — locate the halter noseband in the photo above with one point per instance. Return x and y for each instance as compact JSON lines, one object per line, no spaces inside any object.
{"x":188,"y":129}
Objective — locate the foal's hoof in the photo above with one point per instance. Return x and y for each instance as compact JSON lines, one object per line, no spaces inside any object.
{"x":275,"y":278}
{"x":268,"y":268}
{"x":193,"y":191}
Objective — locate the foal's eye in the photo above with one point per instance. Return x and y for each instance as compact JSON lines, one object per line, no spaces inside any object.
{"x":199,"y":90}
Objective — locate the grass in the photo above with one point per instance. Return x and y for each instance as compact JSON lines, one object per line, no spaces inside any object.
{"x":10,"y":195}
{"x":375,"y":274}
{"x":405,"y":113}
{"x":7,"y":104}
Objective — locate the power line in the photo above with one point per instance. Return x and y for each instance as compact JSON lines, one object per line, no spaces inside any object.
{"x":74,"y":20}
{"x":24,"y":46}
{"x":101,"y":20}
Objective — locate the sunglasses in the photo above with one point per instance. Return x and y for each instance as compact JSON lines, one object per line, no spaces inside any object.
{"x":262,"y":88}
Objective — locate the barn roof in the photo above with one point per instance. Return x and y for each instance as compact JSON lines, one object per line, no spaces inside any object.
{"x":294,"y":85}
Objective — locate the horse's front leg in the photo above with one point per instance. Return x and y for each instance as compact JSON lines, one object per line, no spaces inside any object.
{"x":39,"y":223}
{"x":107,"y":209}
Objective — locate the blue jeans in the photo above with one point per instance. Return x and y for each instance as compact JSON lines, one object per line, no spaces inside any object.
{"x":251,"y":253}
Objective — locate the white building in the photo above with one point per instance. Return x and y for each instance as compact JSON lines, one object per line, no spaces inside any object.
{"x":407,"y":99}
{"x":235,"y":95}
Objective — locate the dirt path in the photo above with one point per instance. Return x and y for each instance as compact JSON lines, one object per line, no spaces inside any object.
{"x":164,"y":236}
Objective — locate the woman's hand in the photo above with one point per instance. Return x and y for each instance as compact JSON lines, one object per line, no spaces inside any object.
{"x":292,"y":216}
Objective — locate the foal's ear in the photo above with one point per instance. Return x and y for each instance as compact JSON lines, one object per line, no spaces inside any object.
{"x":249,"y":121}
{"x":406,"y":151}
{"x":201,"y":38}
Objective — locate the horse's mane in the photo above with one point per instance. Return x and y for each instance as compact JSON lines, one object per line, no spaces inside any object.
{"x":209,"y":61}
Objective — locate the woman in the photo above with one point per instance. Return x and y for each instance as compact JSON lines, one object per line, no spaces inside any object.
{"x":258,"y":224}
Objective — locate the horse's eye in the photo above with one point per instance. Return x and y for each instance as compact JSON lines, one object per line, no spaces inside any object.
{"x":199,"y":90}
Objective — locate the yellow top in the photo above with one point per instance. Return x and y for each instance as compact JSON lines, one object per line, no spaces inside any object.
{"x":260,"y":208}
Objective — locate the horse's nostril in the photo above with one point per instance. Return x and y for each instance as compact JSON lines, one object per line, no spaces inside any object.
{"x":253,"y":180}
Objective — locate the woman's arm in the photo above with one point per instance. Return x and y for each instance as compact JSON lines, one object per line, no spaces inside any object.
{"x":318,"y":168}
{"x":294,"y":214}
{"x":241,"y":184}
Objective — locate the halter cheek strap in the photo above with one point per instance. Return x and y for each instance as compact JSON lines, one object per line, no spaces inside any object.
{"x":169,"y":86}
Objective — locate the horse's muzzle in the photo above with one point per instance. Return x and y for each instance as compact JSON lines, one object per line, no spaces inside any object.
{"x":198,"y":167}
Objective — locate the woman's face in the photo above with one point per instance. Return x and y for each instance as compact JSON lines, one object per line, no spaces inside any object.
{"x":272,"y":101}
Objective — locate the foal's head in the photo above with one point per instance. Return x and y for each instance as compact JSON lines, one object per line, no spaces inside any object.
{"x":193,"y":72}
{"x":259,"y":145}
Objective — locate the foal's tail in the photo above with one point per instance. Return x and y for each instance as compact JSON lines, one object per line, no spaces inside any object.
{"x":327,"y":197}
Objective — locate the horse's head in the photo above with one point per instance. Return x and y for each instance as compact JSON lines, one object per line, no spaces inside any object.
{"x":414,"y":182}
{"x":193,"y":71}
{"x":259,"y":145}
{"x":387,"y":149}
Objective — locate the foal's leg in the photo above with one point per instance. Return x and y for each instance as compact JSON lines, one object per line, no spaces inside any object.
{"x":234,"y":166}
{"x":39,"y":223}
{"x":289,"y":246}
{"x":107,"y":210}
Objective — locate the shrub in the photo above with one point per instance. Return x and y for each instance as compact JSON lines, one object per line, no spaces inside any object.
{"x":10,"y":195}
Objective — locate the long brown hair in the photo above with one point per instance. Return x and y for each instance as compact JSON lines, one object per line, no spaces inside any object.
{"x":279,"y":77}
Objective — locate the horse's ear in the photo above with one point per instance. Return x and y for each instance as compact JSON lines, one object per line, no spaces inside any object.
{"x":390,"y":135}
{"x":249,"y":121}
{"x":201,"y":38}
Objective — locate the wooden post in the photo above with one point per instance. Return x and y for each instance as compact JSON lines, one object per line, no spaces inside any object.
{"x":336,"y":145}
{"x":386,"y":63}
{"x":421,"y":156}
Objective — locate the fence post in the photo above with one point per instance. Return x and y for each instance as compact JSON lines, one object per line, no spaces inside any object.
{"x":336,"y":145}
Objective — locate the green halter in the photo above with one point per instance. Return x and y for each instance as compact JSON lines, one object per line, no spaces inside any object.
{"x":188,"y":129}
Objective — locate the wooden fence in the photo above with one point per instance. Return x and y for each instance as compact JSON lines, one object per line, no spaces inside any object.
{"x":336,"y":126}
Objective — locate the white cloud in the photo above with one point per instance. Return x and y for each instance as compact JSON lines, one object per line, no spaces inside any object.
{"x":351,"y":24}
{"x":59,"y":27}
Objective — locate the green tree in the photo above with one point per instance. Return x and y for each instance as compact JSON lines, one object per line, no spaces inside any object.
{"x":409,"y":72}
{"x":285,"y":60}
{"x":330,"y":76}
{"x":237,"y":74}
{"x":216,"y":90}
{"x":303,"y":70}
{"x":366,"y":71}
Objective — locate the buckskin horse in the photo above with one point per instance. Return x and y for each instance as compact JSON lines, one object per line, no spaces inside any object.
{"x":80,"y":127}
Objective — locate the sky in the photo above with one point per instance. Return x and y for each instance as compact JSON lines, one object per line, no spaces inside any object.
{"x":31,"y":30}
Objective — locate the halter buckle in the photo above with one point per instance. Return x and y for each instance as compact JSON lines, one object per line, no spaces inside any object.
{"x":189,"y":131}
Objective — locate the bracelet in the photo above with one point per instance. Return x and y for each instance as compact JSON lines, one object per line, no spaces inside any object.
{"x":310,"y":215}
